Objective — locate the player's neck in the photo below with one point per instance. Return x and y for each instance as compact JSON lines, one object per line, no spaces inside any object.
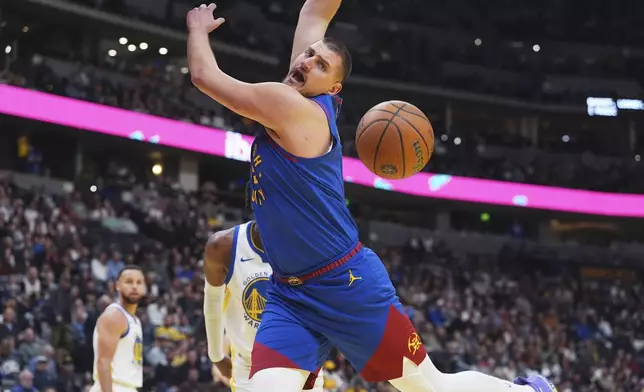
{"x":130,"y":308}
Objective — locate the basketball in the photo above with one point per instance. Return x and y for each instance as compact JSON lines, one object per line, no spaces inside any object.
{"x":395,"y":139}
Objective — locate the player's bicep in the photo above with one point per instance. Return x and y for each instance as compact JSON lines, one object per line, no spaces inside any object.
{"x":270,"y":104}
{"x":110,"y":327}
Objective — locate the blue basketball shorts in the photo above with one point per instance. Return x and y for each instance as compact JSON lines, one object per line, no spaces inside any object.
{"x":353,"y":307}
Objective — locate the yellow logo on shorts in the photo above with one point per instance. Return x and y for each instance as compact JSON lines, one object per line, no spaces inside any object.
{"x":353,"y":278}
{"x":254,"y":298}
{"x":414,"y":343}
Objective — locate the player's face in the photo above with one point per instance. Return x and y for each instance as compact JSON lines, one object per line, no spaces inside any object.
{"x":131,"y":286}
{"x":316,"y":71}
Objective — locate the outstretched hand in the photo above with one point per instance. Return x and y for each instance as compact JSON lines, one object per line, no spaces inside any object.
{"x":203,"y":19}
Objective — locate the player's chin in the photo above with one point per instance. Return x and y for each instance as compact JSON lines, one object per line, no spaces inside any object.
{"x":133,"y":299}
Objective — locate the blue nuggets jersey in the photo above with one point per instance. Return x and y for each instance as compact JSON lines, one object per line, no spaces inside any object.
{"x":299,"y":203}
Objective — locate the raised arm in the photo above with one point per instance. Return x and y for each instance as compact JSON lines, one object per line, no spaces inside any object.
{"x":110,"y":326}
{"x":312,"y":24}
{"x":274,"y":105}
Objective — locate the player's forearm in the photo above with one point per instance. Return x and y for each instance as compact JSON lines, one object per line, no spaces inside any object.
{"x":213,"y":309}
{"x":210,"y":79}
{"x":312,"y":24}
{"x":201,"y":58}
{"x":325,"y":9}
{"x":104,"y":369}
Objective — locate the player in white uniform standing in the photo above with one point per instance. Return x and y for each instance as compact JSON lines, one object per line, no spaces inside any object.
{"x":118,"y":337}
{"x":235,"y":295}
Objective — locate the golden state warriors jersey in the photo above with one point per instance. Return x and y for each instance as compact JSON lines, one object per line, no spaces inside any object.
{"x":245,"y":299}
{"x":127,"y":364}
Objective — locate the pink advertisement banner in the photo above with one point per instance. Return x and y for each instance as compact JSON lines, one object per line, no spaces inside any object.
{"x":128,"y":124}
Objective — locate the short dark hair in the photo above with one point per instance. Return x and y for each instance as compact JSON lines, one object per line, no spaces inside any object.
{"x":341,"y":49}
{"x":129,"y":267}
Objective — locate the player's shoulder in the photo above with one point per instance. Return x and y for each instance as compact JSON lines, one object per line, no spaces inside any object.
{"x":222,"y":237}
{"x":221,"y":243}
{"x":113,"y":318}
{"x":296,"y":102}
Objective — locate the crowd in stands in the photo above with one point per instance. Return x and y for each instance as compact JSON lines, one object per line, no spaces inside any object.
{"x":58,"y":271}
{"x":505,"y":314}
{"x":502,"y":314}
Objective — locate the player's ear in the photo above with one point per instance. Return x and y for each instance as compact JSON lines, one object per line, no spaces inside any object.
{"x":335,"y":90}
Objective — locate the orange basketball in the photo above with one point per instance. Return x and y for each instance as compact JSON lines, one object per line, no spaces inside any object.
{"x":395,"y":139}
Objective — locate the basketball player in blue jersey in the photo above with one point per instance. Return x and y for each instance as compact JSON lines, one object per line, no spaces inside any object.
{"x":326,"y":288}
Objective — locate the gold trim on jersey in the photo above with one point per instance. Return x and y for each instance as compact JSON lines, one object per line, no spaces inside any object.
{"x":138,"y":351}
{"x":227,"y":296}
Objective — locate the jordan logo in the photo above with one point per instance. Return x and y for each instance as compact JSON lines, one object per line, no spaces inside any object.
{"x":414,"y":343}
{"x":353,"y":278}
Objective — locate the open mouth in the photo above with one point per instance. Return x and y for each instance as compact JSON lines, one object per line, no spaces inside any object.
{"x":298,"y":76}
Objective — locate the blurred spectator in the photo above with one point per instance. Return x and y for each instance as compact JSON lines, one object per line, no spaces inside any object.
{"x":26,"y":383}
{"x":30,"y":346}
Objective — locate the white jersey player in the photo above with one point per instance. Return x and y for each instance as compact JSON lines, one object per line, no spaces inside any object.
{"x":235,"y":295}
{"x":118,"y":338}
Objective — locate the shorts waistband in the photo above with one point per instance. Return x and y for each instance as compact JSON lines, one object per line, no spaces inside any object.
{"x":298,"y":280}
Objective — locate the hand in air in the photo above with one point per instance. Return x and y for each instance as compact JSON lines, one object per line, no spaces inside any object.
{"x":203,"y":19}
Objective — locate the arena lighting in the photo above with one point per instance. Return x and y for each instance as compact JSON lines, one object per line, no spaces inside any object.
{"x":122,"y":40}
{"x":609,"y":107}
{"x":536,"y":48}
{"x":163,"y":51}
{"x":131,"y":48}
{"x":143,"y":46}
{"x":93,"y":188}
{"x":25,"y":29}
{"x":565,"y":138}
{"x":7,"y":50}
{"x":457,"y":141}
{"x":478,"y":42}
{"x":184,"y":70}
{"x":83,"y":115}
{"x":111,"y":53}
{"x":630,"y":104}
{"x":157,"y":169}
